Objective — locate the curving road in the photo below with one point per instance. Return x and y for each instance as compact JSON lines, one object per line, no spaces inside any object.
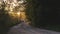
{"x":26,"y":29}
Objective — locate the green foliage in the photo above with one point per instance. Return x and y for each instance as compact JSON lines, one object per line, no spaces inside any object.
{"x":42,"y":15}
{"x":30,"y":11}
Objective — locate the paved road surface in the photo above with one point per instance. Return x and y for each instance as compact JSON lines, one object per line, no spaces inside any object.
{"x":26,"y":29}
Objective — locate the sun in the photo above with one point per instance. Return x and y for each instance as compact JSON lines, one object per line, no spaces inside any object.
{"x":18,"y":13}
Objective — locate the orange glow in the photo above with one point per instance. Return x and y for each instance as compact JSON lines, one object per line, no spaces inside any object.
{"x":18,"y":13}
{"x":15,"y":8}
{"x":23,"y":16}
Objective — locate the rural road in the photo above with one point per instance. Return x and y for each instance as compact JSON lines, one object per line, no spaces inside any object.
{"x":26,"y":29}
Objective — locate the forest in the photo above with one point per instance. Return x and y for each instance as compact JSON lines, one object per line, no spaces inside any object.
{"x":43,"y":14}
